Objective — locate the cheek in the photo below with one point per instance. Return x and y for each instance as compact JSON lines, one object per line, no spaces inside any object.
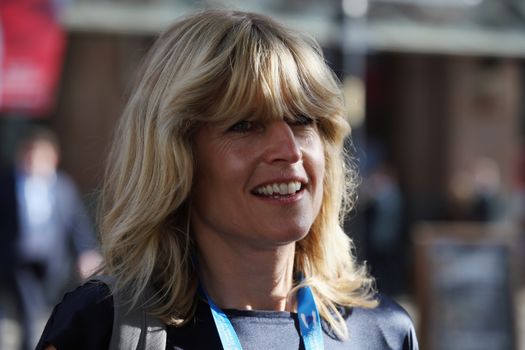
{"x":317,"y":155}
{"x":320,"y":166}
{"x":217,"y":171}
{"x":317,"y":167}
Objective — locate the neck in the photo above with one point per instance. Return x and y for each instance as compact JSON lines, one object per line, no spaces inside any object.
{"x":248,"y":279}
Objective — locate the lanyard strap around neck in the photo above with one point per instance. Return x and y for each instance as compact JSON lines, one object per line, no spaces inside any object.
{"x":309,"y":322}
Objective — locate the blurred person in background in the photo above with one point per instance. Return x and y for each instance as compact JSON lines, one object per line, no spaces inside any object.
{"x":476,"y":194}
{"x":383,"y":210}
{"x":43,"y":225}
{"x":487,"y":203}
{"x":223,"y":204}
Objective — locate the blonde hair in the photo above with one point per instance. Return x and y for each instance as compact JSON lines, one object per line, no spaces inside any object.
{"x":213,"y":66}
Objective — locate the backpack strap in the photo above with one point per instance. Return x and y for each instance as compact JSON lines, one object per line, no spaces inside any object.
{"x":133,"y":329}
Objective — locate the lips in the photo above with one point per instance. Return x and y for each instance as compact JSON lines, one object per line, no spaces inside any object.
{"x":278,"y":188}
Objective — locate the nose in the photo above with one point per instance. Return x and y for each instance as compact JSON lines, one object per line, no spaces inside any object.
{"x":281,"y":143}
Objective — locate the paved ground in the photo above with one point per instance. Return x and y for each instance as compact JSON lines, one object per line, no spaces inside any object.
{"x":520,"y":301}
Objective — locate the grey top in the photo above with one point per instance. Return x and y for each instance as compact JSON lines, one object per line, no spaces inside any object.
{"x":84,"y":320}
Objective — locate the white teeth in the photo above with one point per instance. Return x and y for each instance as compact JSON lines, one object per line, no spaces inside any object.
{"x":279,"y":189}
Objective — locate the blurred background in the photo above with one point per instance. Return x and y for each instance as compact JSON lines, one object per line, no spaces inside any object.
{"x":435,"y":92}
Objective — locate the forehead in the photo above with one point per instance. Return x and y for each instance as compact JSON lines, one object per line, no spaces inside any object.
{"x":269,"y":77}
{"x":39,"y":145}
{"x":258,"y":72}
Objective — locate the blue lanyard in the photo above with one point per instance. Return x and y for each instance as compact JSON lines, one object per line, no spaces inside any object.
{"x":309,"y":322}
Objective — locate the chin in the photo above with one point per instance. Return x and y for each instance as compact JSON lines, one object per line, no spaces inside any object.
{"x":290,"y":235}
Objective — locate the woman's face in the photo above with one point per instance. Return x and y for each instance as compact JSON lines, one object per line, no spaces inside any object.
{"x":257,"y":182}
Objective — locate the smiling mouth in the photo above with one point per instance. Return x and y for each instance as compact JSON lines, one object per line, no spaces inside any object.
{"x":279,"y":189}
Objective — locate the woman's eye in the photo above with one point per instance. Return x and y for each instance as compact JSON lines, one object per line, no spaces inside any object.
{"x":242,"y":126}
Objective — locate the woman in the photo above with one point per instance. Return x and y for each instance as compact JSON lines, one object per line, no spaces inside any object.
{"x":224,"y":197}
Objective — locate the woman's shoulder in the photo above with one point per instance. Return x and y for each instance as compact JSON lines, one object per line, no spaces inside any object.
{"x":388,"y":310}
{"x":82,"y":320}
{"x":388,"y":325}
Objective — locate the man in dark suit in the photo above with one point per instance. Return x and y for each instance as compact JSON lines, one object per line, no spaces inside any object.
{"x":43,"y":225}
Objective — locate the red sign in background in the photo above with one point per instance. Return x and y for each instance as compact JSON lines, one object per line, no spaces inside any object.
{"x":32,"y":47}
